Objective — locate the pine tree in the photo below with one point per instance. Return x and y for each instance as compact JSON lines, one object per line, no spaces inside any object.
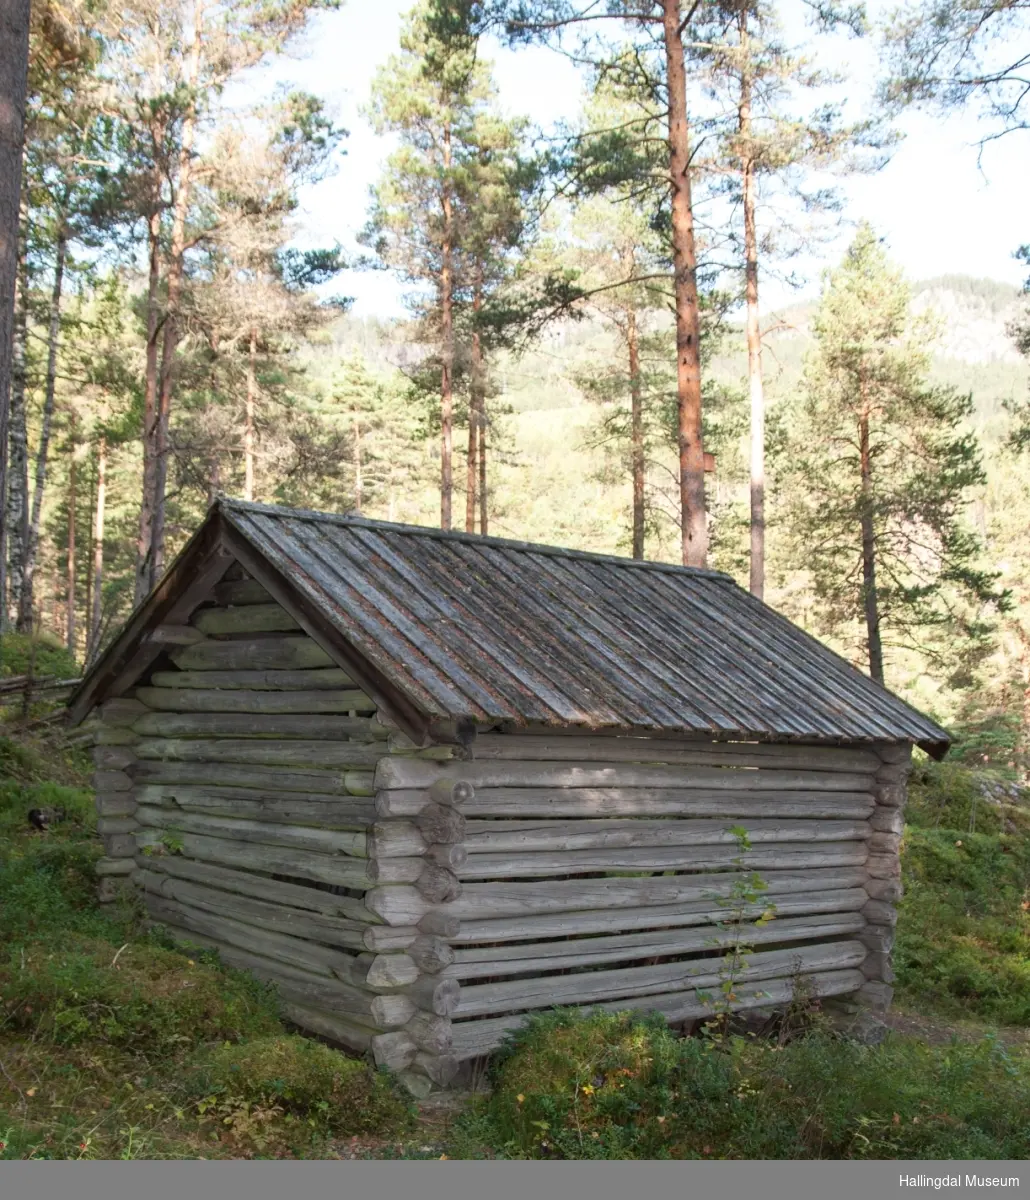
{"x":882,"y":469}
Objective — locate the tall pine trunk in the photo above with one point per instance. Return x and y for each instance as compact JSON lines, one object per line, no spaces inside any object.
{"x":99,"y":514}
{"x":754,"y":333}
{"x":483,"y":505}
{"x":688,"y":320}
{"x":18,"y":471}
{"x":176,"y":279}
{"x":636,"y":431}
{"x":870,"y":600}
{"x":359,"y":481}
{"x":42,"y":454}
{"x":476,"y":404}
{"x":14,"y":65}
{"x":446,"y":339}
{"x":144,"y":544}
{"x":248,"y":428}
{"x":70,"y":589}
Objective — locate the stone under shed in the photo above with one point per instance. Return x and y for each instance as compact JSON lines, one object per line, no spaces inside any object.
{"x":429,"y":782}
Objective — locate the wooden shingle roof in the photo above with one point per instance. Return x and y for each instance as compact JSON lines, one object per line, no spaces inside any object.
{"x":487,"y":630}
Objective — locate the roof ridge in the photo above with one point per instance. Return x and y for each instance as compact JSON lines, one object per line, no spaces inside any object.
{"x":476,"y":539}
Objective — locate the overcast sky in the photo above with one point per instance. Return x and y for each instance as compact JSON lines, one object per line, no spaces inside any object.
{"x":939,"y":210}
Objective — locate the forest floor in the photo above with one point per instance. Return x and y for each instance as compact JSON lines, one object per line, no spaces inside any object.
{"x":115,"y":1044}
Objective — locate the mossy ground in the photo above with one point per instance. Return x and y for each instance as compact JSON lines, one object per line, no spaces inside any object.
{"x":117,"y":1044}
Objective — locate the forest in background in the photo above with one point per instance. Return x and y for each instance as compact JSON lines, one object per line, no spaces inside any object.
{"x":587,"y":361}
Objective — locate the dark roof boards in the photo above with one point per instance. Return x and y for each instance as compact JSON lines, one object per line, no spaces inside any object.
{"x":463,"y":627}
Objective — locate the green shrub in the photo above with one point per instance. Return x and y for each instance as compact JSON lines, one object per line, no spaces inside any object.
{"x":138,"y":997}
{"x":615,"y":1087}
{"x":275,"y":1082}
{"x":963,"y":943}
{"x":51,"y":656}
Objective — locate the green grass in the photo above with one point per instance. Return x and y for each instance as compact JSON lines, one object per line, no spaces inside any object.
{"x":613,"y":1087}
{"x":963,"y":945}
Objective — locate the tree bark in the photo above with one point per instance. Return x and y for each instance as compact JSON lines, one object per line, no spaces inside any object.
{"x":359,"y":480}
{"x":98,"y":549}
{"x":176,"y":279}
{"x":248,"y":429}
{"x":53,"y":337}
{"x":869,"y":597}
{"x":476,"y":401}
{"x":18,"y":472}
{"x":483,"y":516}
{"x":688,"y":325}
{"x":754,"y":333}
{"x":14,"y":65}
{"x":70,"y":629}
{"x":144,"y":545}
{"x":447,"y":340}
{"x":636,"y":431}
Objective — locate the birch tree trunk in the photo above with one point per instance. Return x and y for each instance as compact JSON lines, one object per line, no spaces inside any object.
{"x":754,"y":333}
{"x":447,"y":340}
{"x":688,"y":326}
{"x":42,"y":454}
{"x":636,"y":431}
{"x":869,"y":598}
{"x":14,"y":63}
{"x":248,"y":429}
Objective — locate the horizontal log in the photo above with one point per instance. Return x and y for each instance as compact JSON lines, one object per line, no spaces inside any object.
{"x":297,"y":986}
{"x":603,"y":987}
{"x":385,"y":938}
{"x":113,"y":735}
{"x":437,"y":884}
{"x":774,"y":756}
{"x":441,"y":823}
{"x":875,"y":994}
{"x":125,"y":823}
{"x":879,"y":912}
{"x":278,"y":860}
{"x":326,"y":811}
{"x":440,"y":923}
{"x":115,"y":804}
{"x":889,"y":890}
{"x":250,"y":618}
{"x":119,"y":845}
{"x":265,"y":914}
{"x":417,"y":773}
{"x":295,"y":753}
{"x":324,"y":782}
{"x":887,"y":820}
{"x":447,"y":854}
{"x":253,"y":654}
{"x":174,"y":635}
{"x":431,"y":954}
{"x":541,"y":957}
{"x":317,"y":679}
{"x":436,"y":994}
{"x":394,"y":870}
{"x":386,"y":970}
{"x":454,"y":792}
{"x":498,"y":836}
{"x":212,"y":700}
{"x":113,"y":758}
{"x":604,"y":920}
{"x":429,"y":1032}
{"x":475,"y":1038}
{"x":396,"y":839}
{"x":121,"y":711}
{"x":524,"y":803}
{"x":393,"y":1051}
{"x":440,"y":1068}
{"x":773,"y":857}
{"x":479,"y":901}
{"x":883,"y":866}
{"x":274,"y":891}
{"x":319,"y":960}
{"x":114,"y":866}
{"x":322,"y":841}
{"x":334,"y":1027}
{"x":254,"y":725}
{"x":878,"y":965}
{"x":240,"y":591}
{"x":111,"y":781}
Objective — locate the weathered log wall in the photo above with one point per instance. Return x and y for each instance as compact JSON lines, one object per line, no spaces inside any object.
{"x":235,"y":789}
{"x":415,"y":902}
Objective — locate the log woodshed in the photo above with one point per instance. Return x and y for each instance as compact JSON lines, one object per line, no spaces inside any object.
{"x":427,"y":783}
